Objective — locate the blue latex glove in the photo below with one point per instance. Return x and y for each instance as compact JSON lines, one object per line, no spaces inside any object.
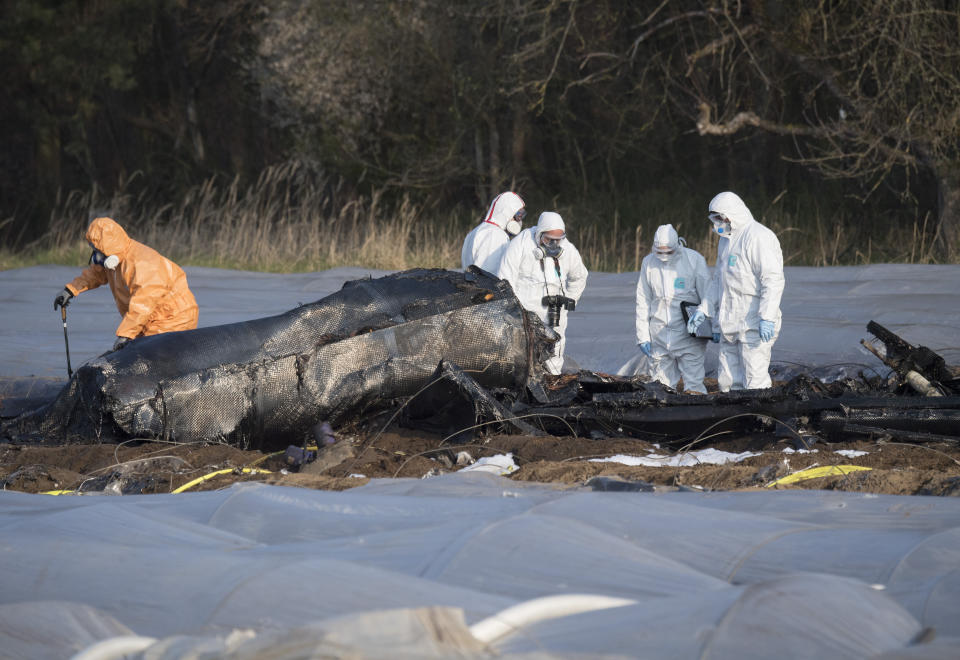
{"x":647,"y":349}
{"x":695,"y":321}
{"x":715,"y":338}
{"x":766,"y":330}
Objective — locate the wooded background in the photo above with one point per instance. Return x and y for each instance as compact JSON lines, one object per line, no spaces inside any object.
{"x":846,"y":113}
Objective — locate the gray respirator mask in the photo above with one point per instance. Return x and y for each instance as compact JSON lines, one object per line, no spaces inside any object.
{"x":548,"y":247}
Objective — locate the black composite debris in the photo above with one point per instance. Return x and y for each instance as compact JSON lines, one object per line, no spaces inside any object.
{"x":267,"y":382}
{"x":455,"y":405}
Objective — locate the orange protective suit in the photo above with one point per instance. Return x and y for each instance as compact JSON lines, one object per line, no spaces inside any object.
{"x":151,"y":291}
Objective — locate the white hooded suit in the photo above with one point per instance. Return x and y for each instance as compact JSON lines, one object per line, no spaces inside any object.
{"x":746,"y":288}
{"x":533,"y":276}
{"x":661,"y":287}
{"x":485,"y":244}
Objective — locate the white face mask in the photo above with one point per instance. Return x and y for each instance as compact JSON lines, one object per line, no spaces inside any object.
{"x":723,"y":228}
{"x":721,"y":225}
{"x":515,"y":224}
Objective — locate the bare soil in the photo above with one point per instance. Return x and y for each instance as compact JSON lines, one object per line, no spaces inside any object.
{"x":159,"y":467}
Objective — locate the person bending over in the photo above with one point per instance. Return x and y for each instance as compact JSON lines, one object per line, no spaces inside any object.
{"x":150,"y":291}
{"x":485,"y":244}
{"x":670,"y":275}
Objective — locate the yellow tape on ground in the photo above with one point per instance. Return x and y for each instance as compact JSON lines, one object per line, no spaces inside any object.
{"x":191,"y":484}
{"x":814,"y":472}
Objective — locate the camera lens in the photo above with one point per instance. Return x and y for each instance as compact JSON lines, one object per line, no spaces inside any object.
{"x":553,"y":305}
{"x":553,"y":316}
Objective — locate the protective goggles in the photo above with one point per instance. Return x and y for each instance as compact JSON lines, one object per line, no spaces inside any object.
{"x":97,"y":257}
{"x":663,"y":254}
{"x":552,"y":242}
{"x":520,"y":215}
{"x":716,"y":218}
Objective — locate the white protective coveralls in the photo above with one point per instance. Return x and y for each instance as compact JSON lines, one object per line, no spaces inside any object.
{"x":746,"y":287}
{"x":661,"y":287}
{"x":485,"y":244}
{"x":534,"y":275}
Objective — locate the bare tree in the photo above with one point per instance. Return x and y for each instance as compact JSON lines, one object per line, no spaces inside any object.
{"x":868,"y":87}
{"x":869,"y":90}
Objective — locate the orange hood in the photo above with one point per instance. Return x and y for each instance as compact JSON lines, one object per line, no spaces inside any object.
{"x":108,"y":237}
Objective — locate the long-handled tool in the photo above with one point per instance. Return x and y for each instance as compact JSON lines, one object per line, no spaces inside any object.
{"x":63,"y":315}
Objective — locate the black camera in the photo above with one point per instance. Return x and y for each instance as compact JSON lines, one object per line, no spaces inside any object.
{"x":554,"y":304}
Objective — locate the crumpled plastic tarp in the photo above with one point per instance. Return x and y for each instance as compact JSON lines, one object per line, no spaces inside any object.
{"x":789,"y":575}
{"x":268,"y":382}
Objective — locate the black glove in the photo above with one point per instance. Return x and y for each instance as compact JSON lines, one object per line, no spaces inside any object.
{"x":62,"y":299}
{"x":120,"y":343}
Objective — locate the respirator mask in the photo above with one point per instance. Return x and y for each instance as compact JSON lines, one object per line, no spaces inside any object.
{"x":549,"y":247}
{"x":98,"y":258}
{"x":515,"y":224}
{"x":664,"y":253}
{"x":720,"y":224}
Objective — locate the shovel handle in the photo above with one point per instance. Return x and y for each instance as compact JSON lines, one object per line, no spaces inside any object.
{"x":66,"y":342}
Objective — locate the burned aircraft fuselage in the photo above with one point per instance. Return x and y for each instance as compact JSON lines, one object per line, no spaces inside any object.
{"x":267,"y":382}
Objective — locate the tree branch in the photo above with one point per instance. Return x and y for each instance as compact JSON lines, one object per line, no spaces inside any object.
{"x":749,"y":118}
{"x":716,"y":45}
{"x":632,"y":51}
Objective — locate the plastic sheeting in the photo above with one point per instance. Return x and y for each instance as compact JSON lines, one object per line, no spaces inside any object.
{"x":731,"y":575}
{"x":268,"y":382}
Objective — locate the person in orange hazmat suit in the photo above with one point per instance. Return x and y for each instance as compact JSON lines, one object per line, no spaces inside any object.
{"x":151,"y":291}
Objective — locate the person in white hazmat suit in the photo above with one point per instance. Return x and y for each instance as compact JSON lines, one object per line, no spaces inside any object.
{"x":485,"y":244}
{"x":744,"y":295}
{"x":672,"y":273}
{"x":547,"y":275}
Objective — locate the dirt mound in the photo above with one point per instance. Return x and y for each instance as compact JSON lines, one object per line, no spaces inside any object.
{"x":160,"y":467}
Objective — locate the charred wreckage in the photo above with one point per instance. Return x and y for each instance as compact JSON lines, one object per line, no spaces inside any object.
{"x":451,"y":353}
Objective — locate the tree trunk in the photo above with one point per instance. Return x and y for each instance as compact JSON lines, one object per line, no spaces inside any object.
{"x":495,"y":177}
{"x":48,"y":160}
{"x":483,"y":194}
{"x":948,"y":192}
{"x":519,"y":143}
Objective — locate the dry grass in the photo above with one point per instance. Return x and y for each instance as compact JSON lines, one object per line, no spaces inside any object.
{"x":806,"y":237}
{"x":282,"y":223}
{"x":291,"y":220}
